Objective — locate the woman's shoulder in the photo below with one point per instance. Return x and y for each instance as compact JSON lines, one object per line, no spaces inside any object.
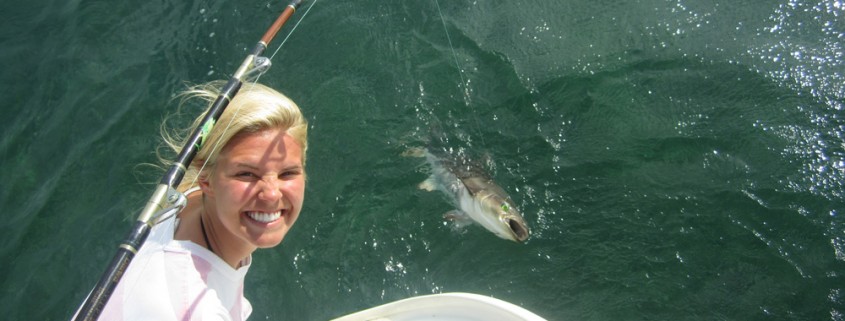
{"x":194,"y":257}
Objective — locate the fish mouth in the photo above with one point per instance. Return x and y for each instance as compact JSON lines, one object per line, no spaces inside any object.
{"x":519,"y":230}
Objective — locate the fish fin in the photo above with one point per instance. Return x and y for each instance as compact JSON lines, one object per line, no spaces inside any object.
{"x":458,"y":218}
{"x":414,"y":152}
{"x":428,"y":185}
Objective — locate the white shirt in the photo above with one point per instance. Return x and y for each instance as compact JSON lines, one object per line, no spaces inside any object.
{"x":178,"y":280}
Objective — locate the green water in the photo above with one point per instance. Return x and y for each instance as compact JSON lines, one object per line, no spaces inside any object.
{"x":676,"y":160}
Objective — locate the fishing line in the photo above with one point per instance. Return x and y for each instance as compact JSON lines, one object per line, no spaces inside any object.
{"x":460,"y":70}
{"x":216,"y":146}
{"x":454,"y":54}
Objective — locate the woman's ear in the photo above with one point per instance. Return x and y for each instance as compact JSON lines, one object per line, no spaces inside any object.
{"x":202,"y":176}
{"x":205,"y":185}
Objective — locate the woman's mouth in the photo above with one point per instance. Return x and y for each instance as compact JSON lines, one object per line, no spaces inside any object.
{"x":264,"y":217}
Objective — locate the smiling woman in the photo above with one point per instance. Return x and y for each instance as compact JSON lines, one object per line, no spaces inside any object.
{"x":250,"y":183}
{"x":252,"y":197}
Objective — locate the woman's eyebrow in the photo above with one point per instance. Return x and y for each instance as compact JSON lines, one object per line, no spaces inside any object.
{"x":249,"y":166}
{"x":254,"y":167}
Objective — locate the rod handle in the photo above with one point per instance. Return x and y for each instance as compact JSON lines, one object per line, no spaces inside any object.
{"x":271,"y":33}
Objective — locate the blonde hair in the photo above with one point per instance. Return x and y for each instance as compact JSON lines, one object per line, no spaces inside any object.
{"x":254,"y":108}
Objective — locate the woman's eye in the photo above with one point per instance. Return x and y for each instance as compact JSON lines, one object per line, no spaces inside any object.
{"x":245,"y":174}
{"x":289,"y":173}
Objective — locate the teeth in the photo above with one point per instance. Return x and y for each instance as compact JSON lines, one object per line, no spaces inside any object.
{"x":264,"y":217}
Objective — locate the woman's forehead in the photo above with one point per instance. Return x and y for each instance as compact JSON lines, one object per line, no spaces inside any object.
{"x":269,"y":145}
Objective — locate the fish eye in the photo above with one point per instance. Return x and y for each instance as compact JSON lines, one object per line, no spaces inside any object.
{"x":505,"y":207}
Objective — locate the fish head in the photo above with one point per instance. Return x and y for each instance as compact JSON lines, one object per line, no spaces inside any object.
{"x":511,"y":224}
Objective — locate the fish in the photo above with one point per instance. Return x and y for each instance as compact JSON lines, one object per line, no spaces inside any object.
{"x":474,"y":193}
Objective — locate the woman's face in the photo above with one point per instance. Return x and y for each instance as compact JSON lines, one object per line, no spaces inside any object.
{"x":256,"y":190}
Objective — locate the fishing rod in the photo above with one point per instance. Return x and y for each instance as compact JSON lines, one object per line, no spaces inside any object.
{"x":166,"y":201}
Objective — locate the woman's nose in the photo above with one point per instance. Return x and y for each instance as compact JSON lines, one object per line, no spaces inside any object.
{"x":270,"y":190}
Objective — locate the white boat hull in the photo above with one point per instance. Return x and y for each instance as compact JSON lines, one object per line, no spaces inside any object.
{"x":445,"y":306}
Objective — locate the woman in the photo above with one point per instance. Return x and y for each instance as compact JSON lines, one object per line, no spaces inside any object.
{"x":245,"y":190}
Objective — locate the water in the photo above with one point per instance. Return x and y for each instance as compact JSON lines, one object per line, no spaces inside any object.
{"x":675,"y":159}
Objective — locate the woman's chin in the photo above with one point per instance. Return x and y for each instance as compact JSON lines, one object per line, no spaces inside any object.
{"x":269,"y":240}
